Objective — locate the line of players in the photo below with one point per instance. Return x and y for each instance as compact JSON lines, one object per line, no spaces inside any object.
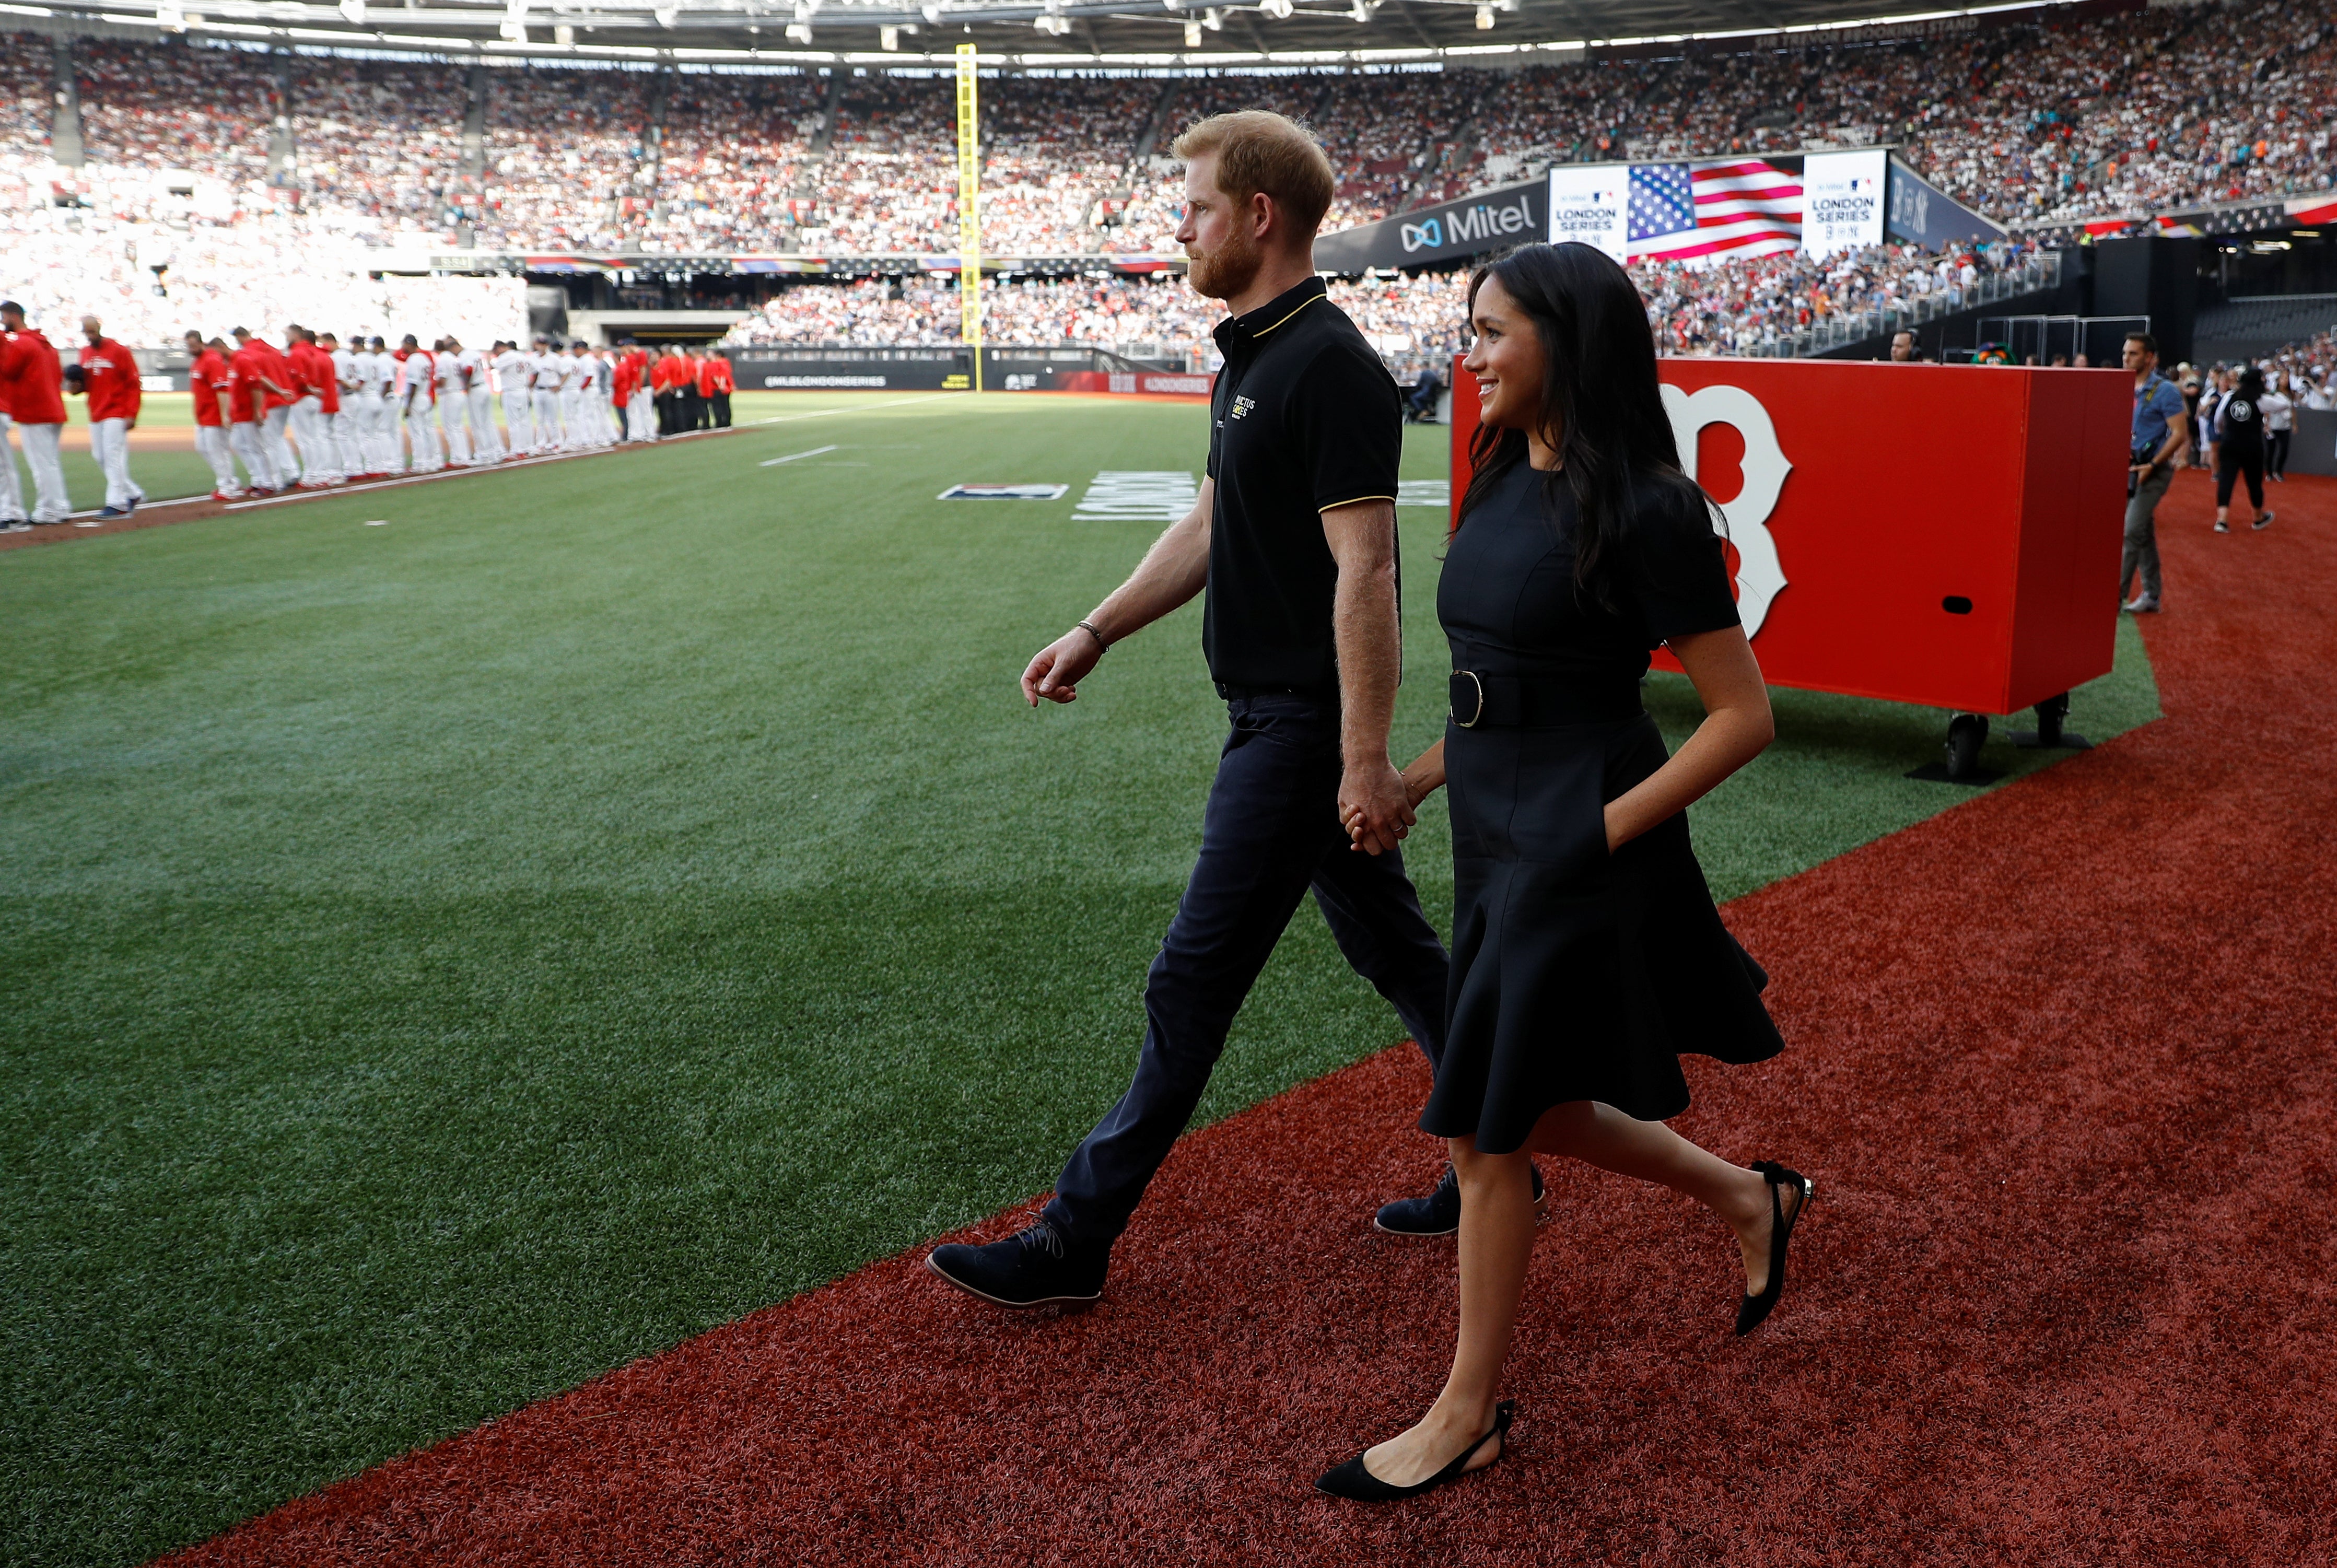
{"x":318,"y":413}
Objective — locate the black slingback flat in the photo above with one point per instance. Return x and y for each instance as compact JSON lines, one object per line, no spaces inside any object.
{"x":1354,"y":1482}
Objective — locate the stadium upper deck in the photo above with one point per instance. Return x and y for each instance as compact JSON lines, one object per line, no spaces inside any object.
{"x":2044,"y":117}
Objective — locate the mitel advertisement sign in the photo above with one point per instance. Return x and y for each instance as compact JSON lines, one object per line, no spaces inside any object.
{"x":1475,"y":225}
{"x":1842,"y":199}
{"x":1589,"y":205}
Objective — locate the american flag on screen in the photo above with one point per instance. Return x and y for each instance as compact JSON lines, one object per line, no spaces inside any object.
{"x":1697,"y":213}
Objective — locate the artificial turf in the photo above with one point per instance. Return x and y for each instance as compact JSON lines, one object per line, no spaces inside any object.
{"x":449,"y":958}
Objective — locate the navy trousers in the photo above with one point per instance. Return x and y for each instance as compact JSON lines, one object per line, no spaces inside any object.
{"x":1271,"y":831}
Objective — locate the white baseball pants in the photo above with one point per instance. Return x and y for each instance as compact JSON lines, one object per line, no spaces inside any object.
{"x":641,"y":415}
{"x":49,"y":503}
{"x":517,"y":426}
{"x":211,"y":440}
{"x":12,"y":489}
{"x":109,"y":443}
{"x":547,"y":420}
{"x":348,"y":445}
{"x":317,"y":465}
{"x":422,"y":438}
{"x":486,"y":447}
{"x":454,"y":419}
{"x":272,"y":426}
{"x":249,"y":443}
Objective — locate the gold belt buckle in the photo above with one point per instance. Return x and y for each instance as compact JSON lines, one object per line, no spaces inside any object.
{"x":1478,"y":713}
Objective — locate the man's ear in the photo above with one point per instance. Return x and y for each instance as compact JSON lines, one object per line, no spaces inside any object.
{"x":1263,"y":216}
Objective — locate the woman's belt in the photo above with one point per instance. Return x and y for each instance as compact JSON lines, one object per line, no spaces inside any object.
{"x":1519,"y":703}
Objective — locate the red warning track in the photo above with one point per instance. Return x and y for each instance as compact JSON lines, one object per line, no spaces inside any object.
{"x":2061,"y":1067}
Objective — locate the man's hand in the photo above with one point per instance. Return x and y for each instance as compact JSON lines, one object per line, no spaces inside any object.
{"x":1374,"y":806}
{"x":1055,"y":674}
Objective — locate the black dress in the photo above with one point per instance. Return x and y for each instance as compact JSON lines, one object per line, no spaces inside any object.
{"x":1577,"y":973}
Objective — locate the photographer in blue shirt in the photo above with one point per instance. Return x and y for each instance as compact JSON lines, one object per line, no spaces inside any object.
{"x":2161,"y":434}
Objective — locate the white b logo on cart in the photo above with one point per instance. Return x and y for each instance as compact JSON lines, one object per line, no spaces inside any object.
{"x":1759,"y":576}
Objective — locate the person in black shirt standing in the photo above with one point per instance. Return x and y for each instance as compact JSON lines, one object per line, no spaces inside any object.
{"x":1294,"y":538}
{"x":1586,"y":954}
{"x":2240,"y":448}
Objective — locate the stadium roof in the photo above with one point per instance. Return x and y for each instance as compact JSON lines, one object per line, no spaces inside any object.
{"x":1068,"y":35}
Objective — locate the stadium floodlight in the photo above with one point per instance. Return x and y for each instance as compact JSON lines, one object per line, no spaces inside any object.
{"x":1484,"y":18}
{"x":1192,"y":34}
{"x":170,"y":16}
{"x":1361,"y":12}
{"x":930,"y":12}
{"x":666,"y":16}
{"x":564,"y":36}
{"x":1278,"y":9}
{"x":514,"y":23}
{"x":799,"y":32}
{"x":353,"y":12}
{"x":1212,"y":20}
{"x":888,"y":39}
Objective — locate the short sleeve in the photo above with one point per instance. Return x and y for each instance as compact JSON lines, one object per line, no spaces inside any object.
{"x":1346,"y":421}
{"x":1677,"y":566}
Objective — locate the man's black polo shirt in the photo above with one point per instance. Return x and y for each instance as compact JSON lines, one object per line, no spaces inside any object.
{"x":1304,"y":417}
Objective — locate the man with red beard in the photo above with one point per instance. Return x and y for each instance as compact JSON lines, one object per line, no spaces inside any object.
{"x":1293,"y":537}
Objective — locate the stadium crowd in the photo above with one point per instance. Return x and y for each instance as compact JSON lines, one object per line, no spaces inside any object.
{"x":1722,"y":309}
{"x":187,"y":212}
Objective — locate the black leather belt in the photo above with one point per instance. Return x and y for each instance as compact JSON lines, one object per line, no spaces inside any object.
{"x":1519,"y":703}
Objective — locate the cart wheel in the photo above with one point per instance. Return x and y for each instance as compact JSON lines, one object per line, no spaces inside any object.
{"x":2049,"y":715}
{"x":1965,"y":733}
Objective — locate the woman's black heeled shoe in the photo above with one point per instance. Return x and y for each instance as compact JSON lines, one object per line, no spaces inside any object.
{"x":1752,"y":1309}
{"x":1355,"y":1483}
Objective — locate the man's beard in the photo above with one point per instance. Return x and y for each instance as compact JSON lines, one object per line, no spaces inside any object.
{"x":1225,"y":272}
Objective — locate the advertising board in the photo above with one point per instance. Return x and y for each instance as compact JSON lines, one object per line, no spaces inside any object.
{"x":1842,"y":199}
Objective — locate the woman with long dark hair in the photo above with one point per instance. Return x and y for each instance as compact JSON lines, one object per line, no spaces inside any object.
{"x":1586,"y":954}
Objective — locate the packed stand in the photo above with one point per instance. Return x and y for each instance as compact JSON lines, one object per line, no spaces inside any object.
{"x":384,"y":139}
{"x":175,"y":105}
{"x":564,"y":158}
{"x":732,"y":157}
{"x":1055,"y":151}
{"x":889,"y":184}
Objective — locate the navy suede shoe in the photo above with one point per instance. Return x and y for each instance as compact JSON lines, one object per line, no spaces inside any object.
{"x":1035,"y":1266}
{"x":1439,"y":1213}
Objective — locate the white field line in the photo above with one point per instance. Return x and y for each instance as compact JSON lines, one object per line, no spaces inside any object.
{"x":790,"y":458}
{"x":857,"y":408}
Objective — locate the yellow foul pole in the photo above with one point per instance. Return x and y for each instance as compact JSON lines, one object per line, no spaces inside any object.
{"x":969,"y":211}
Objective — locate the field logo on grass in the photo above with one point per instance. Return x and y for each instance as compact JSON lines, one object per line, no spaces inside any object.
{"x":1157,"y":496}
{"x":1759,"y":577}
{"x":1004,"y":493}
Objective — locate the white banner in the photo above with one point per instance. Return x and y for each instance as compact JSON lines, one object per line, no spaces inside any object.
{"x":1588,"y":204}
{"x":1842,"y":198}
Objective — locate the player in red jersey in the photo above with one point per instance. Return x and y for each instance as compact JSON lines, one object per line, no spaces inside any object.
{"x":109,"y":377}
{"x":257,"y":387}
{"x":208,"y":380}
{"x":714,"y":384}
{"x":31,"y":387}
{"x":305,"y":416}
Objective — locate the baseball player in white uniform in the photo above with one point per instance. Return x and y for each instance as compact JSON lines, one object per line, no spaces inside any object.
{"x":417,"y":389}
{"x":342,"y":427}
{"x":378,"y":416}
{"x":546,"y":374}
{"x":513,"y":374}
{"x":485,"y":445}
{"x":568,"y":379}
{"x":454,"y":399}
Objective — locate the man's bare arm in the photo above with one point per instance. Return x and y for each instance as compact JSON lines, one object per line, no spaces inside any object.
{"x":1372,"y":799}
{"x":1176,"y":568}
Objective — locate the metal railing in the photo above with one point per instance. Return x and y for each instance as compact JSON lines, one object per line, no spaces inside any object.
{"x":1844,"y":327}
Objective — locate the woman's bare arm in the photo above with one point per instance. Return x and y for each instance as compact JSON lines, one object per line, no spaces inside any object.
{"x":1737,"y":724}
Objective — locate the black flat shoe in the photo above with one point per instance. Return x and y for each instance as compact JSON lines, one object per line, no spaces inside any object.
{"x":1358,"y":1485}
{"x":1752,"y":1309}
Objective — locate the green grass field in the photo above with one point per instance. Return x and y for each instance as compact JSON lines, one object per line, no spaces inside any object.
{"x":447,"y":959}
